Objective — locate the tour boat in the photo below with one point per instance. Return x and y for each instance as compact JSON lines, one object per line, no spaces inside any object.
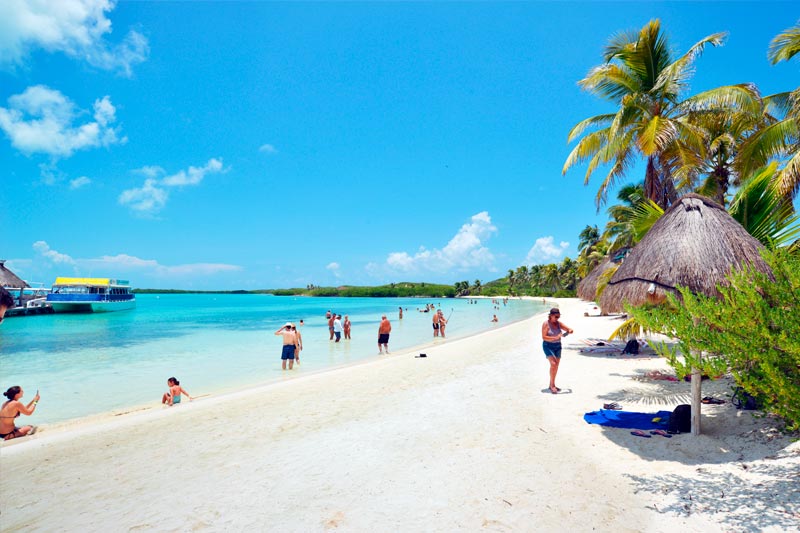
{"x":91,"y":295}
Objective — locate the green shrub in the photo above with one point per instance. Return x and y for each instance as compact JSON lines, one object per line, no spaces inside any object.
{"x":753,"y":332}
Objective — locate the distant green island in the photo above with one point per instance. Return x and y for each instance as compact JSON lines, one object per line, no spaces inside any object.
{"x":402,"y":290}
{"x":406,"y":289}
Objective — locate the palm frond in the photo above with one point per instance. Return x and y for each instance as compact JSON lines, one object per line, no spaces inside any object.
{"x":789,"y":176}
{"x":656,"y":134}
{"x":586,"y":148}
{"x":580,"y":127}
{"x":742,"y":97}
{"x":775,"y":140}
{"x":610,"y":81}
{"x":785,"y":45}
{"x":645,"y":215}
{"x":674,"y":78}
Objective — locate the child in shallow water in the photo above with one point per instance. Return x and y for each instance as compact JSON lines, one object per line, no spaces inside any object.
{"x":173,"y":394}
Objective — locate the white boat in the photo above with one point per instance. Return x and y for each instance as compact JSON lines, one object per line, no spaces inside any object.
{"x":91,"y":295}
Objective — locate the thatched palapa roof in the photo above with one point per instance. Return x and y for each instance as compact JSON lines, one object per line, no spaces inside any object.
{"x":695,"y":244}
{"x":8,"y":278}
{"x":587,"y":288}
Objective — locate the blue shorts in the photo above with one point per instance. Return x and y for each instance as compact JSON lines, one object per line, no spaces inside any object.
{"x":383,"y":338}
{"x":288,"y":351}
{"x":338,"y":334}
{"x":552,"y":349}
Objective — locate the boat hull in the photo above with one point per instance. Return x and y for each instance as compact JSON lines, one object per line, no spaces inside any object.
{"x":92,"y":307}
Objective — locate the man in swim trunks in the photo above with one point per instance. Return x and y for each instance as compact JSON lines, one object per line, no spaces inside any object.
{"x":330,"y":325}
{"x":289,"y":344}
{"x":435,"y":324}
{"x":551,"y":343}
{"x":383,"y":334}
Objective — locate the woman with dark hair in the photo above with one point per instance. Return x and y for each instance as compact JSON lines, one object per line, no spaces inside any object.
{"x":11,"y":410}
{"x":174,"y":391}
{"x":6,"y":302}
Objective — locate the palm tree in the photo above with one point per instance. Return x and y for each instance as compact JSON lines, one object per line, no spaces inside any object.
{"x":780,"y":140}
{"x":588,"y":237}
{"x":549,"y":277}
{"x":477,"y":286}
{"x":511,"y":280}
{"x":709,"y":162}
{"x":640,"y":76}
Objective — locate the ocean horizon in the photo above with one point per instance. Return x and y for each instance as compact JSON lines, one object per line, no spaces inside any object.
{"x":90,"y":364}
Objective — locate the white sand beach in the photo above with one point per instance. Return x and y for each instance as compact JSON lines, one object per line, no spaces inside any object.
{"x":465,"y":439}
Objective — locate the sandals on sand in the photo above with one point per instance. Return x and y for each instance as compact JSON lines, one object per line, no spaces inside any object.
{"x":661,"y":432}
{"x":640,"y":433}
{"x":712,"y":401}
{"x":613,"y":406}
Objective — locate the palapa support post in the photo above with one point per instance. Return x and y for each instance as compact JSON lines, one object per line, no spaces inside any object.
{"x":696,"y":381}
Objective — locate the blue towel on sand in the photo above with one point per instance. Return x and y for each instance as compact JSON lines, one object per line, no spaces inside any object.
{"x":628,"y":419}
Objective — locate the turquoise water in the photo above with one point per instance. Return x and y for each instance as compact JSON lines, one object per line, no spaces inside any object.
{"x":85,"y":364}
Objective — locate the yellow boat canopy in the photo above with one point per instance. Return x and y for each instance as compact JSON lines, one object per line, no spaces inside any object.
{"x":92,"y":282}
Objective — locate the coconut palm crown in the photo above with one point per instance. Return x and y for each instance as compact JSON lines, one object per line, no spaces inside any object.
{"x":642,"y":78}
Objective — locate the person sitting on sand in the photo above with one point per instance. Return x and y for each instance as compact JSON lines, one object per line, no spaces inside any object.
{"x":289,"y":344}
{"x":174,"y":391}
{"x":12,"y":409}
{"x":551,"y":343}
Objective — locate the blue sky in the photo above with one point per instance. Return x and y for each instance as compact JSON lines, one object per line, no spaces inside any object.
{"x":227,"y":145}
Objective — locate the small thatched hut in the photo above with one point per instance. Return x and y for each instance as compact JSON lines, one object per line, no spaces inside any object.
{"x":695,"y":244}
{"x":587,"y":288}
{"x":9,"y":279}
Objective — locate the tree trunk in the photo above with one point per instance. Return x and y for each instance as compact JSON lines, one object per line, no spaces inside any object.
{"x":652,"y":187}
{"x":721,"y":176}
{"x":696,"y":381}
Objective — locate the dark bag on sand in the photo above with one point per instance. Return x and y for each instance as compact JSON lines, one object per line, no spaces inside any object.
{"x":681,"y":419}
{"x":632,"y":347}
{"x":742,"y":400}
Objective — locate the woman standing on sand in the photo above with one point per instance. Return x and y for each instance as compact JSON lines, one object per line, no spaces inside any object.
{"x":551,"y":343}
{"x":12,"y":409}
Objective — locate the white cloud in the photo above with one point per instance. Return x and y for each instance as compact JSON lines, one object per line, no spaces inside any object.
{"x":51,"y":255}
{"x":77,"y":183}
{"x":128,"y":263}
{"x":465,"y":251}
{"x":152,"y":196}
{"x":149,"y":198}
{"x":268,"y":149}
{"x":193,"y":175}
{"x":545,"y":251}
{"x":74,"y":27}
{"x":150,"y":171}
{"x":334,"y":267}
{"x":41,"y":120}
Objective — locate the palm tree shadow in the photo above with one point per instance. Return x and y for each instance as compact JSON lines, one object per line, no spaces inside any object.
{"x":738,"y":504}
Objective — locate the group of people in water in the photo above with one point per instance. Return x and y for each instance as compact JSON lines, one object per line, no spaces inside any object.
{"x":553,"y":330}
